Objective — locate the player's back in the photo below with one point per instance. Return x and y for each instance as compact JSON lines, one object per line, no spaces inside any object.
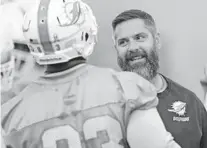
{"x":81,"y":107}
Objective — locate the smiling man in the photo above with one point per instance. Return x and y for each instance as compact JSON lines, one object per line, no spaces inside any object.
{"x":137,"y":41}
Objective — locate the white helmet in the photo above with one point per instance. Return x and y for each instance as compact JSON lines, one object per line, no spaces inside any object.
{"x":60,"y":30}
{"x":7,"y":60}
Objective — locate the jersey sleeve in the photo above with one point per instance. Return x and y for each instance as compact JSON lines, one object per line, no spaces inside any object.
{"x":142,"y":133}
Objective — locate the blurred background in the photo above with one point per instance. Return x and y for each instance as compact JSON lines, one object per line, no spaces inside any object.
{"x":183,"y":28}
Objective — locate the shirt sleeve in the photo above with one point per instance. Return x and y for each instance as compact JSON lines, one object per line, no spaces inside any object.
{"x":204,"y":126}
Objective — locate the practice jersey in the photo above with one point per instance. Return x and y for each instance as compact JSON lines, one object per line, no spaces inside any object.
{"x":84,"y":107}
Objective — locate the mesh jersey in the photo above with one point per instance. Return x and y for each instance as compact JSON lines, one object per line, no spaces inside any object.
{"x":83,"y":107}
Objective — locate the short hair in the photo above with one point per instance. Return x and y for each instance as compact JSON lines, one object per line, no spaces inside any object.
{"x":134,"y":14}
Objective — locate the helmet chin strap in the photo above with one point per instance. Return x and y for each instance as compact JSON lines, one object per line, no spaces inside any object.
{"x":55,"y":68}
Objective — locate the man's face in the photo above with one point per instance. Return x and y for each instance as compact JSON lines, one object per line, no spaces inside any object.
{"x":136,"y":48}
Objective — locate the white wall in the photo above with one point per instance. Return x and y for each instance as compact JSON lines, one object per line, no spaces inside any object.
{"x":183,"y":28}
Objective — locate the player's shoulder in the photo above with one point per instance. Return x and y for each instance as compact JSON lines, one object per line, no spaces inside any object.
{"x":129,"y":86}
{"x":136,"y":87}
{"x":123,"y":78}
{"x":10,"y":104}
{"x":101,"y":75}
{"x":133,"y":79}
{"x":100,"y":70}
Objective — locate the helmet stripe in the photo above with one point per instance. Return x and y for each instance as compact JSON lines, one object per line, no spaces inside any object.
{"x":43,"y":27}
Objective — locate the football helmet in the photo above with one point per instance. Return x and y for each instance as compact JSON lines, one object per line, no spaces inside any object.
{"x":7,"y":60}
{"x":58,"y":31}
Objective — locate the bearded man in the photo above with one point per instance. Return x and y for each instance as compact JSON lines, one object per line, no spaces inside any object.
{"x":137,"y":42}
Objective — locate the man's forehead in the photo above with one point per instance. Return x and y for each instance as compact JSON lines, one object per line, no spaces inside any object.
{"x":130,"y":28}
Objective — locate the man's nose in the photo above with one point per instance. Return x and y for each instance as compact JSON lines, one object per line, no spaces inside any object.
{"x":133,"y":46}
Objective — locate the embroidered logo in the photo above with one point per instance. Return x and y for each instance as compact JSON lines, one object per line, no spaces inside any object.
{"x":179,"y":108}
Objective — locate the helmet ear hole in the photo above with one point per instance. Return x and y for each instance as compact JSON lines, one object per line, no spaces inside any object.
{"x":86,"y":36}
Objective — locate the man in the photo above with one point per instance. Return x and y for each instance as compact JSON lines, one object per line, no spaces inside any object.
{"x":137,"y":41}
{"x":75,"y":104}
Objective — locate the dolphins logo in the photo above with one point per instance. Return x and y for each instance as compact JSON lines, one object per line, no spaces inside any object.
{"x":70,"y":17}
{"x":179,"y":108}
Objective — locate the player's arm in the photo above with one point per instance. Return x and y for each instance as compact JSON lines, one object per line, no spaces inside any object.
{"x":146,"y":130}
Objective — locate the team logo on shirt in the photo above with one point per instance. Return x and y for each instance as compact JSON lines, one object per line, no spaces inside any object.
{"x":179,"y":108}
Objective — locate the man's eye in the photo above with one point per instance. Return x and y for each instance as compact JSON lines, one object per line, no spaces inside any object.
{"x":122,"y":43}
{"x":140,"y":37}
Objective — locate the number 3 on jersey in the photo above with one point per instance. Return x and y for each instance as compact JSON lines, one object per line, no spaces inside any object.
{"x":99,"y":132}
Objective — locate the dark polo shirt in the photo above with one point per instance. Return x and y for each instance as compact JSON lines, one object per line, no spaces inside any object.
{"x":184,"y":115}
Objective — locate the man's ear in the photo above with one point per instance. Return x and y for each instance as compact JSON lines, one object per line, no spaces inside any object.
{"x":158,"y":40}
{"x":114,"y":41}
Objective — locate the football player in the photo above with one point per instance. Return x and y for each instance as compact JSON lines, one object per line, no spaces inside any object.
{"x":75,"y":104}
{"x":7,"y":60}
{"x":11,"y":32}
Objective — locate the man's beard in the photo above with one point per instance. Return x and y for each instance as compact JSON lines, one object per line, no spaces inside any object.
{"x":147,"y":69}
